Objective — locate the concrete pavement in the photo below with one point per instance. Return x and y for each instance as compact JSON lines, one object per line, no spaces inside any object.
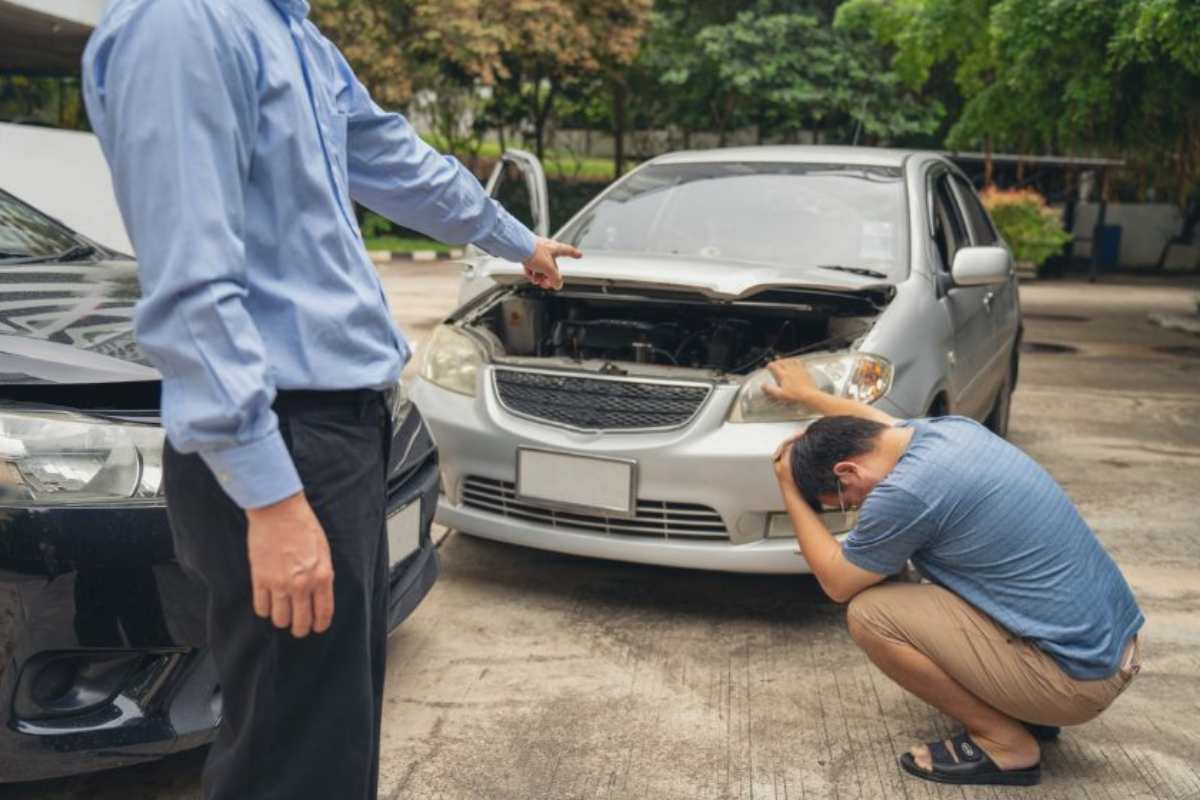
{"x":529,"y":675}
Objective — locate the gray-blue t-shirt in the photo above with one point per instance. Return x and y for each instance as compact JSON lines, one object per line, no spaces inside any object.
{"x":979,"y":517}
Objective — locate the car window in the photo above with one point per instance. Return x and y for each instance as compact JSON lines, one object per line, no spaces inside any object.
{"x":982,"y":232}
{"x":949,"y":231}
{"x":793,"y":215}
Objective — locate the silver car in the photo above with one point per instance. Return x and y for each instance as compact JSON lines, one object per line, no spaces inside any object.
{"x":624,"y":418}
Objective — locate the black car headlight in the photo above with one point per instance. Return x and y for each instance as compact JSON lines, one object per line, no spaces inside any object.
{"x":59,"y":457}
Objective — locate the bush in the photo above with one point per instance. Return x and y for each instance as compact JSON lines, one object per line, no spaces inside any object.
{"x":1031,"y":228}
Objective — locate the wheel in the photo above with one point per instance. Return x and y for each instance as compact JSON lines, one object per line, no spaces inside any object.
{"x":997,"y":419}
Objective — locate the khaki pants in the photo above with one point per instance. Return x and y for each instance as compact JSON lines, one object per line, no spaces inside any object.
{"x":1010,"y":674}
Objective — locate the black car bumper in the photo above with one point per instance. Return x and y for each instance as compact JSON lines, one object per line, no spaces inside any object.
{"x":102,"y":644}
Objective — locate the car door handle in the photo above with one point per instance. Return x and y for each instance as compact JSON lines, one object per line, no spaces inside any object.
{"x":987,"y":300}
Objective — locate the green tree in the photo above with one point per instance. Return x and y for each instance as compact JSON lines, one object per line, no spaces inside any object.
{"x":780,"y":67}
{"x":1118,"y":77}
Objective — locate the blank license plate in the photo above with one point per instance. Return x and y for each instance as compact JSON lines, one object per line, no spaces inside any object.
{"x":582,"y":482}
{"x":404,"y":532}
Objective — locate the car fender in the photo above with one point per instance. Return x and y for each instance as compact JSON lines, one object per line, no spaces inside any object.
{"x":914,"y":334}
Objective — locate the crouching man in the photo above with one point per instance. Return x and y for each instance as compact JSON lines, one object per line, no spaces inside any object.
{"x":1026,"y":623}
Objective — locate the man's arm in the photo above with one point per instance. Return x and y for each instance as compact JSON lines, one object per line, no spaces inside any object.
{"x":172,"y":97}
{"x":394,"y":172}
{"x":840,"y":579}
{"x":796,"y":386}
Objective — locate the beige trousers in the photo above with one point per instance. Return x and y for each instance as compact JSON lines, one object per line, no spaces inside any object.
{"x":1008,"y":673}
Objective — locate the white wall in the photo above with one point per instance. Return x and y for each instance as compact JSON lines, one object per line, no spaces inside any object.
{"x":1145,"y":228}
{"x":64,"y":174}
{"x":84,"y":12}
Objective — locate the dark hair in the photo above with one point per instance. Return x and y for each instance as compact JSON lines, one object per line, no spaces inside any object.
{"x":828,"y":441}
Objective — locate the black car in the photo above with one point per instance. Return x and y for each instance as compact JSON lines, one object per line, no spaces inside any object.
{"x":102,"y":643}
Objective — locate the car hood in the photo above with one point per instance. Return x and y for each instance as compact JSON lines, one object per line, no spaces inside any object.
{"x":70,"y":323}
{"x":718,"y":279}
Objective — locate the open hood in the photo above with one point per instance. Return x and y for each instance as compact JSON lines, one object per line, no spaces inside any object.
{"x":718,"y":280}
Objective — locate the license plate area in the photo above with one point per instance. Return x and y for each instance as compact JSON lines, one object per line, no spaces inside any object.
{"x":404,"y":532}
{"x":577,"y":483}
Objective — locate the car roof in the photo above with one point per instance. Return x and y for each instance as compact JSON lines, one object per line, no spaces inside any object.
{"x":796,"y":153}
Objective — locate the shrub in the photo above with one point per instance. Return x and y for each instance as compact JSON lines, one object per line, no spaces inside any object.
{"x":1031,"y":228}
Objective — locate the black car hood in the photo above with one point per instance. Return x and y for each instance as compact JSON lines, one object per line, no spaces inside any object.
{"x":70,"y":323}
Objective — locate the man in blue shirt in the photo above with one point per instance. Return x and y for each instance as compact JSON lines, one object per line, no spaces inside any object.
{"x":239,"y":139}
{"x":1026,"y":624}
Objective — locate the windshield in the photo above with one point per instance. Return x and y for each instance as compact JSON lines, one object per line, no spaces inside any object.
{"x":27,"y":233}
{"x":794,"y":215}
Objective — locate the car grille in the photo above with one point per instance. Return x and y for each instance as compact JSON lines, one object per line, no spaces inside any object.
{"x":598,"y":404}
{"x":654,"y":518}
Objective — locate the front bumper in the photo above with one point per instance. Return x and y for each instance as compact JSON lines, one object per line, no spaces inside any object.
{"x":725,"y":467}
{"x":103,"y":658}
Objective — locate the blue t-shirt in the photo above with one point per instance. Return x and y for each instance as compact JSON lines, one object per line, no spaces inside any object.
{"x":979,"y":517}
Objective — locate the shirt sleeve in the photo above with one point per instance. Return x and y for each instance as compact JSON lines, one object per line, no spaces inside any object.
{"x":892,"y":525}
{"x":392,"y":171}
{"x":171,"y":93}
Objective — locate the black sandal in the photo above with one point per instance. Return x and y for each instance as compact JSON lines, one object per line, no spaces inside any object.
{"x":964,"y":762}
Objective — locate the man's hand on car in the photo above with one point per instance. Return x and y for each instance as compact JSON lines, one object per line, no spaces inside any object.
{"x":795,"y":384}
{"x":542,"y":267}
{"x":290,"y":569}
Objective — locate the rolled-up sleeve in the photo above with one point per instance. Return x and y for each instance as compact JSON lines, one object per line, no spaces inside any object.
{"x":393,"y":172}
{"x":171,"y":96}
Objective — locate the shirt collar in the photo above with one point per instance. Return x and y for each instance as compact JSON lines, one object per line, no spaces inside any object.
{"x":293,"y":8}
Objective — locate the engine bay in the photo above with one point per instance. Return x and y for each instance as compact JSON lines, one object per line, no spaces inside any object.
{"x":732,"y":338}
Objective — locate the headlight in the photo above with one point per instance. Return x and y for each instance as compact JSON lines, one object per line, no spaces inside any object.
{"x":859,"y":376}
{"x":399,"y":404}
{"x":451,"y":360}
{"x":58,"y":458}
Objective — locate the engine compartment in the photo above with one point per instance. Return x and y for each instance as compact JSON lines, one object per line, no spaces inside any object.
{"x":662,"y":330}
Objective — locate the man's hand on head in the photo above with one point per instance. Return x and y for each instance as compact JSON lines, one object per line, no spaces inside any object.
{"x":291,"y":572}
{"x":542,"y":267}
{"x":781,"y":460}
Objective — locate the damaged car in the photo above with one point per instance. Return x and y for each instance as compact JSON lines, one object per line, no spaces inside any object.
{"x":103,"y":658}
{"x":624,"y":416}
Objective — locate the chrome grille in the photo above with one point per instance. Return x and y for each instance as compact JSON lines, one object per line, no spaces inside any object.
{"x":597,"y":403}
{"x":654,"y":518}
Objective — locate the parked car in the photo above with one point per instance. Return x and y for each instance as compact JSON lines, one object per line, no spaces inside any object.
{"x":624,"y":418}
{"x":102,"y":640}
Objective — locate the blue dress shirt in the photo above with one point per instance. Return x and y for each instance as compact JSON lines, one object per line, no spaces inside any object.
{"x":238,"y":137}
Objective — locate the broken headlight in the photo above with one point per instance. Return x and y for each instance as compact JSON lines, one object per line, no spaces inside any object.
{"x":59,"y":457}
{"x":859,"y":376}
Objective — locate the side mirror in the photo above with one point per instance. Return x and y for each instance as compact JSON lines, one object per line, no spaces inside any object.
{"x":979,"y":266}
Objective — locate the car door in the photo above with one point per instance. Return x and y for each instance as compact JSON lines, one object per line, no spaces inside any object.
{"x":518,"y":183}
{"x":967,"y":307}
{"x":1004,"y":306}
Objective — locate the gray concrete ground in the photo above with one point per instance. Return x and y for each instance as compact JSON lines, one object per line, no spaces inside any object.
{"x":529,"y":675}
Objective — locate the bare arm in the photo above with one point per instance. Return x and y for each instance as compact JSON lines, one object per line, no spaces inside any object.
{"x":796,"y":386}
{"x":840,"y":579}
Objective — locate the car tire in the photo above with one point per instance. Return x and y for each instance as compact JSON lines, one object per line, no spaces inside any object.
{"x":997,"y":418}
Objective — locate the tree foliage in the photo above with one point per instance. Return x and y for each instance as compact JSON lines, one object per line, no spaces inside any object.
{"x":1114,"y":77}
{"x":780,"y":67}
{"x":528,"y":50}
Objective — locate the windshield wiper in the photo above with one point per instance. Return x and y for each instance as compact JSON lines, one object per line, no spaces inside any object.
{"x":79,"y":251}
{"x":869,"y":273}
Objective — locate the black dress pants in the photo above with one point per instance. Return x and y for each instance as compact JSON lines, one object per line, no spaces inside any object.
{"x":300,"y":717}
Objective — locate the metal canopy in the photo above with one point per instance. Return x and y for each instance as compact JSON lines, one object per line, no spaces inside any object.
{"x":1049,"y":161}
{"x":37,"y":42}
